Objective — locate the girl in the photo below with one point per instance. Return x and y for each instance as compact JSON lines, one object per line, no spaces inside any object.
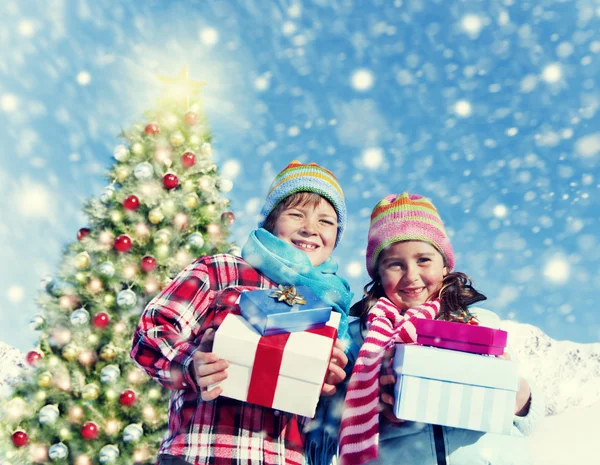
{"x":303,"y":220}
{"x":410,"y":261}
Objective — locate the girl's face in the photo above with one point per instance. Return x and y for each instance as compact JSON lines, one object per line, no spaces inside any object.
{"x":310,"y":229}
{"x":410,"y":272}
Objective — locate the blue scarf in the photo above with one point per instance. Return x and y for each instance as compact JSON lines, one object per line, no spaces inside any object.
{"x":285,"y":264}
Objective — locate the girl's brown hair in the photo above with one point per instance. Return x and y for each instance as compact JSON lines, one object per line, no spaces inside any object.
{"x":456,"y":293}
{"x":299,"y":199}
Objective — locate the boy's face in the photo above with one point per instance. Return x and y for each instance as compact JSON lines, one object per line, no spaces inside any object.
{"x":310,"y":229}
{"x":410,"y":272}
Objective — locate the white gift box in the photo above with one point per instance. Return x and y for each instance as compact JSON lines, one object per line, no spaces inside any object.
{"x":284,"y":372}
{"x":458,"y":389}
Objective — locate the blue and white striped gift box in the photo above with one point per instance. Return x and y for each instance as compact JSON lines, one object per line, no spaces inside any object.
{"x":457,"y":389}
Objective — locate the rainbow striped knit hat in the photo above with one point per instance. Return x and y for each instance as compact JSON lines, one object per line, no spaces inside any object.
{"x":297,"y":177}
{"x":406,"y":217}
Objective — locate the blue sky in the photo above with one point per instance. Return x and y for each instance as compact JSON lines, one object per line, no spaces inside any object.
{"x":490,"y":108}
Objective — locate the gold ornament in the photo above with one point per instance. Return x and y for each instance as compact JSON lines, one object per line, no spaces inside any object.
{"x":169,"y":207}
{"x":116,"y":216}
{"x":122,"y":172}
{"x":82,"y":260}
{"x":191,"y":201}
{"x":162,"y":237}
{"x":156,"y":216}
{"x":162,"y":251}
{"x":162,"y":155}
{"x":137,"y":148}
{"x":81,"y":277}
{"x":45,"y":379}
{"x":40,"y":395}
{"x":177,"y":139}
{"x":108,"y":353}
{"x":195,"y":140}
{"x":130,"y":271}
{"x":106,"y":238}
{"x":288,"y":294}
{"x":109,"y":300}
{"x":90,"y":391}
{"x":64,"y":434}
{"x":188,"y":185}
{"x":70,"y":352}
{"x":112,"y":427}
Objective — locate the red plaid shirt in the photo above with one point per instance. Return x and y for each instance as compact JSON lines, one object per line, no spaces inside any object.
{"x":223,"y":431}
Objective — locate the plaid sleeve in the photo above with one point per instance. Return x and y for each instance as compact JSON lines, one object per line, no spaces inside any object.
{"x":163,"y":343}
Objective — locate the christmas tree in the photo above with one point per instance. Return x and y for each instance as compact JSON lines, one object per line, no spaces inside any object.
{"x":84,"y":400}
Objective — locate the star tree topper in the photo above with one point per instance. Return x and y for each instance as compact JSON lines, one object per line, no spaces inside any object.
{"x":180,"y":88}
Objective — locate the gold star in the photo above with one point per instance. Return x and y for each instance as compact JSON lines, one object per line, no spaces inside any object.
{"x":180,"y":87}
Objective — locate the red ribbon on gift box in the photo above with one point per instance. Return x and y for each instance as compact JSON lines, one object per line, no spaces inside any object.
{"x":267,"y":363}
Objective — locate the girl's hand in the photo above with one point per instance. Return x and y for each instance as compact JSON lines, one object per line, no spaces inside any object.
{"x":523,"y":399}
{"x":335,"y":373}
{"x":209,"y":367}
{"x":387,"y":380}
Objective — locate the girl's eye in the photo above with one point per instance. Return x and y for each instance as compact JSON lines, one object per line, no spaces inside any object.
{"x":424,"y":259}
{"x":394,"y":265}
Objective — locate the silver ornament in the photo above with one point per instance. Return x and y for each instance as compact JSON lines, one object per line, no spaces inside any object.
{"x":46,"y":282}
{"x":80,"y":317}
{"x":109,"y":454}
{"x":121,"y":153}
{"x":37,"y":322}
{"x":133,"y":433}
{"x":126,"y":298}
{"x":143,"y":171}
{"x":48,"y":414}
{"x":110,"y":373}
{"x":107,"y":269}
{"x":196,"y":240}
{"x":58,"y":451}
{"x":107,"y":194}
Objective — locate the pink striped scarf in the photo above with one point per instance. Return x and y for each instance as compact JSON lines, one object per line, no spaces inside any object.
{"x":359,"y":435}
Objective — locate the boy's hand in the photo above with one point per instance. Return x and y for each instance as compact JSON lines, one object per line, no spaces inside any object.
{"x":209,"y":367}
{"x":387,"y":380}
{"x":335,"y":372}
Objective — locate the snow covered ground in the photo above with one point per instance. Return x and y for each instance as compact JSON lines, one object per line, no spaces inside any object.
{"x":568,"y":373}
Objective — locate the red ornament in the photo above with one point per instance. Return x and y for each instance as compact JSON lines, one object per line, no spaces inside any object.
{"x":188,"y":159}
{"x":32,"y":357}
{"x":170,"y":181}
{"x":190,"y":118}
{"x":148,"y":264}
{"x":152,"y":129}
{"x":123,"y":243}
{"x":82,"y":233}
{"x":127,"y":398}
{"x":89,"y":430}
{"x":19,"y":438}
{"x":131,"y":203}
{"x":101,"y":320}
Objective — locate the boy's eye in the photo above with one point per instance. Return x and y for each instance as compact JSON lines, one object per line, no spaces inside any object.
{"x":328,"y":222}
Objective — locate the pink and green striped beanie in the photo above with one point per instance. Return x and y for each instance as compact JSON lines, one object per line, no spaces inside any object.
{"x":406,"y":217}
{"x":298,"y":177}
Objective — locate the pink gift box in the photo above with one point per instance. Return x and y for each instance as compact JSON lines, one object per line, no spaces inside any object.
{"x":460,"y":336}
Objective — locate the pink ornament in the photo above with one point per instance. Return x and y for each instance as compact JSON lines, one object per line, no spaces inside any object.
{"x":32,"y":357}
{"x":190,"y":118}
{"x":188,"y":159}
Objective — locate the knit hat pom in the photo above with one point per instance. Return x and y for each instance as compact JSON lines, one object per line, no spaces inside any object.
{"x":406,"y":217}
{"x":299,"y":177}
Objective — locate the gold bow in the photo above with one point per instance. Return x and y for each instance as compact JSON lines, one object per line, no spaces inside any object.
{"x":288,"y":294}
